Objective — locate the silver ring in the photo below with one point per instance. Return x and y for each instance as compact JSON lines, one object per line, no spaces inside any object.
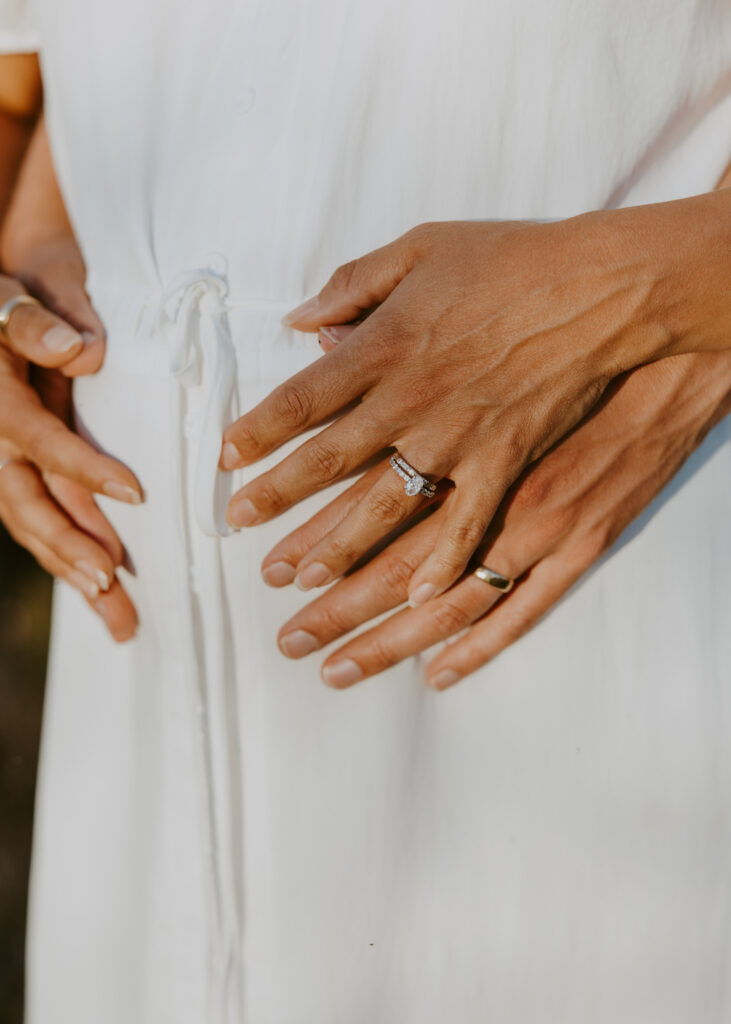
{"x":7,"y":310}
{"x":495,"y":579}
{"x":414,"y":482}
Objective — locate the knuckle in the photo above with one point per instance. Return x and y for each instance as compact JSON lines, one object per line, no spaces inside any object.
{"x":343,"y":277}
{"x":466,"y":534}
{"x":244,"y":436}
{"x":380,"y":654}
{"x":293,"y":404}
{"x":517,"y":624}
{"x":450,"y":617}
{"x":325,"y":460}
{"x":386,"y":508}
{"x":330,"y":622}
{"x":270,"y":498}
{"x":596,"y":542}
{"x":342,"y":552}
{"x":396,"y":574}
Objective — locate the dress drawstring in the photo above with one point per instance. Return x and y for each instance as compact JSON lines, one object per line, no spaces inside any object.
{"x":193,"y":320}
{"x":194,"y":310}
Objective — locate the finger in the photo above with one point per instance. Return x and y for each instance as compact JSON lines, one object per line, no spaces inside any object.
{"x":383,"y":508}
{"x":29,"y":511}
{"x":305,"y":400}
{"x":59,"y":282}
{"x":279,"y":567}
{"x":80,"y":507}
{"x":409,"y":632}
{"x":49,"y":444}
{"x":377,"y":587}
{"x":356,"y":286}
{"x":323,"y":460}
{"x":118,"y":612}
{"x":36,"y":334}
{"x":49,"y":560}
{"x":470,"y":510}
{"x":113,"y":606}
{"x":508,"y":622}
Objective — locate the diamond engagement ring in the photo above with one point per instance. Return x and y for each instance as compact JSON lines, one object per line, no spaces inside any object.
{"x":495,"y":579}
{"x":7,"y":310}
{"x":414,"y":482}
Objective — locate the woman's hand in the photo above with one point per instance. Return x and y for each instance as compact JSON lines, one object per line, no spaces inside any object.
{"x":49,"y":473}
{"x":487,"y":343}
{"x":558,"y":519}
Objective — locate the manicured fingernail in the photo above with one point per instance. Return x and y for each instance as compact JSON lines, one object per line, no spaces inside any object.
{"x":97,"y":575}
{"x":307,"y":309}
{"x":120,"y":492}
{"x":230,"y":456}
{"x":424,"y":592}
{"x":243,"y":513}
{"x":82,"y":582}
{"x":315,"y":575}
{"x":62,"y":338}
{"x":298,"y":643}
{"x":278,"y":574}
{"x":342,"y":673}
{"x":447,"y":677}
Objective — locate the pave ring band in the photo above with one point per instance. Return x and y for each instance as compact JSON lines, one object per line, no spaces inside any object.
{"x":414,"y":482}
{"x":495,"y":579}
{"x":7,"y":310}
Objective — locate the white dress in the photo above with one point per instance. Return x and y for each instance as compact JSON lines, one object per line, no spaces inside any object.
{"x":220,"y":837}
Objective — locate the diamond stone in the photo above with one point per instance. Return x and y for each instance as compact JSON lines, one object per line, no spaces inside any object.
{"x":414,"y":485}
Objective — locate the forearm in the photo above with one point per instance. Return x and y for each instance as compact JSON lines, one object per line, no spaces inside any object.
{"x":37,"y":214}
{"x":20,"y":103}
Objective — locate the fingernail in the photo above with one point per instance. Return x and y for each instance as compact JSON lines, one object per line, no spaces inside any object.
{"x":307,"y":309}
{"x":342,"y":673}
{"x":62,"y":338}
{"x":230,"y":456}
{"x":298,"y":643}
{"x":82,"y":582}
{"x":315,"y":575}
{"x":447,"y":677}
{"x":89,"y":338}
{"x":121,"y":492}
{"x":243,"y":513}
{"x":336,"y":334}
{"x":424,"y":592}
{"x":278,"y":574}
{"x":98,"y":575}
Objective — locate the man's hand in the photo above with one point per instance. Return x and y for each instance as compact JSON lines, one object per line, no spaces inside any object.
{"x":557,"y":520}
{"x":485,"y":345}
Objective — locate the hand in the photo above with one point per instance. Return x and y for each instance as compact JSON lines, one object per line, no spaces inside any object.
{"x":486,"y":344}
{"x":558,"y":519}
{"x":46,"y":489}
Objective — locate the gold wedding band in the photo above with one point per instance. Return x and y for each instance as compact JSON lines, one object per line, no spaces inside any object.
{"x":7,"y":310}
{"x":495,"y":579}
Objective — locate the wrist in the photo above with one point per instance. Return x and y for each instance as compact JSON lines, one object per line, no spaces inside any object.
{"x":680,"y":254}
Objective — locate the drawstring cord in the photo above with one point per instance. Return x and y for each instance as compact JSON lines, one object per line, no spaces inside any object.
{"x":194,"y":310}
{"x":193,"y":319}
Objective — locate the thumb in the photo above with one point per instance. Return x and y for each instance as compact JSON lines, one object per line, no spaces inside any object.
{"x":32,"y":332}
{"x":356,"y":287}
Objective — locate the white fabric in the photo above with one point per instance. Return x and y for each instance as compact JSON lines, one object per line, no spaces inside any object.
{"x":220,"y":837}
{"x":17,"y":34}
